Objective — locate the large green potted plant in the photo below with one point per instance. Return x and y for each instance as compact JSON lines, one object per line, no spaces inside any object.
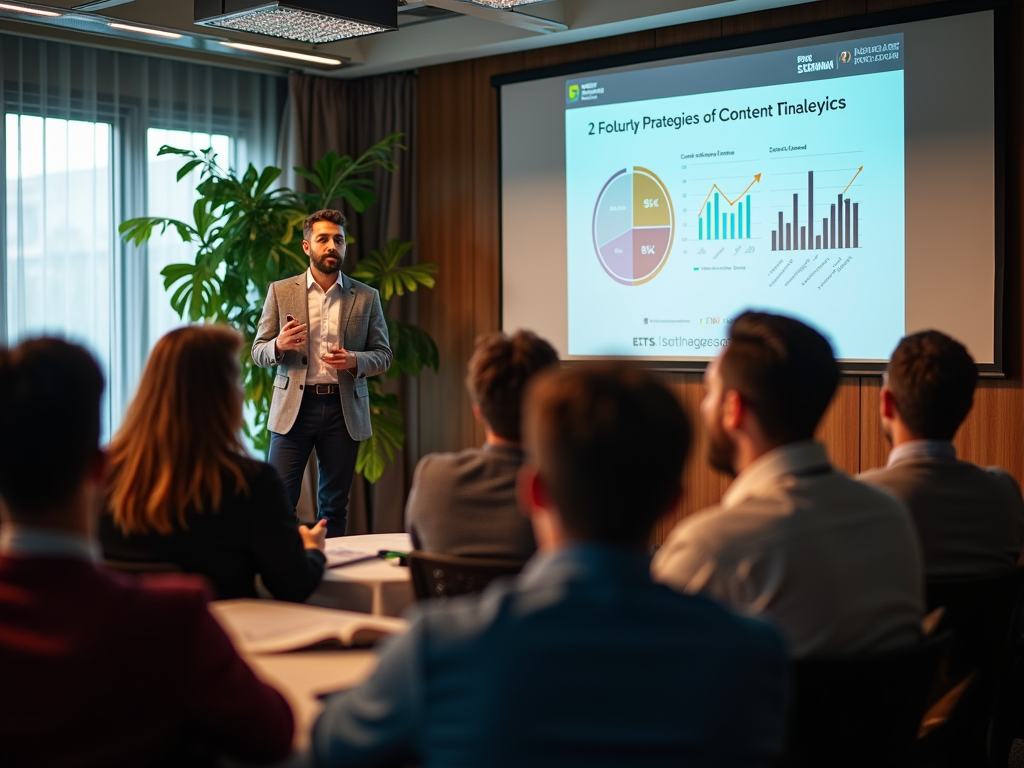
{"x":248,"y":233}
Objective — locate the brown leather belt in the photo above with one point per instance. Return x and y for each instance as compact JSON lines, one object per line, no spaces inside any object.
{"x":322,"y":389}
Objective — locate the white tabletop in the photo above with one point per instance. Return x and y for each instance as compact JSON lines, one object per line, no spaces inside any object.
{"x":302,"y":676}
{"x":380,"y":587}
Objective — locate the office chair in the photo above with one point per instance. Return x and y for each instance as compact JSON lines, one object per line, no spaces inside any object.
{"x":442,"y":576}
{"x":861,"y":710}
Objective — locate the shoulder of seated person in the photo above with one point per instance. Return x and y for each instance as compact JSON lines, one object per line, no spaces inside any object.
{"x":437,"y":461}
{"x":167,"y":594}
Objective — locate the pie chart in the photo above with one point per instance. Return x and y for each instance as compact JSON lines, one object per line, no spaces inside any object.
{"x":633,"y":226}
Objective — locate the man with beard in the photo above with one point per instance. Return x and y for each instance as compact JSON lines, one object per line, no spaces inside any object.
{"x":326,"y":333}
{"x":835,"y":563}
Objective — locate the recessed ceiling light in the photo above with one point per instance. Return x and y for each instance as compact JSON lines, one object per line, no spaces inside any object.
{"x":30,"y":11}
{"x":286,"y":54}
{"x":307,"y":21}
{"x":503,"y":4}
{"x":146,"y":31}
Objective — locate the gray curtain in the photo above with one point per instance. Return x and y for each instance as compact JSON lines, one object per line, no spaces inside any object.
{"x":348,"y":116}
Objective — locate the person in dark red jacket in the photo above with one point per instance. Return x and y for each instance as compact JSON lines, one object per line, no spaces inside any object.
{"x":97,"y":670}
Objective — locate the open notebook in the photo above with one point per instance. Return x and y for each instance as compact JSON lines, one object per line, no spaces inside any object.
{"x":271,"y":626}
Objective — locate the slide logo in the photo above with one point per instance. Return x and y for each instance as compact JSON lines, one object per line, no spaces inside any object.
{"x":574,"y":92}
{"x":633,"y":226}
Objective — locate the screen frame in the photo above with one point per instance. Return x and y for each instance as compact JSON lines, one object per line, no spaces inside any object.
{"x":999,"y":9}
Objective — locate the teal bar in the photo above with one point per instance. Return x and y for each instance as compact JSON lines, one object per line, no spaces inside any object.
{"x":708,"y":228}
{"x":700,"y":228}
{"x":716,"y":216}
{"x":725,"y":224}
{"x":740,"y":219}
{"x":748,"y":215}
{"x":732,"y":226}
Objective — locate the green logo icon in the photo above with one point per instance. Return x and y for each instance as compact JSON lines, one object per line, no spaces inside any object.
{"x":574,"y":92}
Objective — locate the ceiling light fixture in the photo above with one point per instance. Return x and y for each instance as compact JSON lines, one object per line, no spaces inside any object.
{"x":145,"y":31}
{"x":503,"y":4}
{"x":30,"y":11}
{"x":286,"y":54}
{"x":307,"y":21}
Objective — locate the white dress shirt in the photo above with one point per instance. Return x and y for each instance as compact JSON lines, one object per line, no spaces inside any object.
{"x":324,"y":312}
{"x":921,"y":449}
{"x":798,"y":542}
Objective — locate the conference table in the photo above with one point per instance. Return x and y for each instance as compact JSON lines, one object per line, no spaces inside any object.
{"x":303,"y":677}
{"x":380,"y":587}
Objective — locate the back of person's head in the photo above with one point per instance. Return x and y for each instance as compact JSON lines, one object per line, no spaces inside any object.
{"x":50,"y":394}
{"x":783,"y":370}
{"x":609,"y":443}
{"x":180,"y":432}
{"x":932,"y":379}
{"x":498,"y":372}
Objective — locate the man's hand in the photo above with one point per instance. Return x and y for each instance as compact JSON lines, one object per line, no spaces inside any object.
{"x":340,"y":359}
{"x":292,"y":336}
{"x":315,"y":537}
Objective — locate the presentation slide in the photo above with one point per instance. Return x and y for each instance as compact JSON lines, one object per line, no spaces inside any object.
{"x":774,"y":180}
{"x":850,"y":179}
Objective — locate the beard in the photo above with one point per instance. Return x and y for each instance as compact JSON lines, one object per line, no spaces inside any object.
{"x":321,"y":262}
{"x":721,"y":449}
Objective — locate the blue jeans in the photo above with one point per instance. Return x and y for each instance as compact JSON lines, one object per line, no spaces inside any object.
{"x":320,"y":424}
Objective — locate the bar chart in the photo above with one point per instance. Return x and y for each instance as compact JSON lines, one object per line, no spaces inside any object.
{"x":721,"y":218}
{"x":840,"y":229}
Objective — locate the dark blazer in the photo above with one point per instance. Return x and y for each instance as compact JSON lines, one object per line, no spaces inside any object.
{"x":96,"y":670}
{"x":252,"y":533}
{"x":580,"y":661}
{"x":465,"y":504}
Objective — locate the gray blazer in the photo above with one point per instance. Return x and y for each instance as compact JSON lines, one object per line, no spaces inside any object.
{"x":364,"y":332}
{"x":970,"y":520}
{"x":465,"y":504}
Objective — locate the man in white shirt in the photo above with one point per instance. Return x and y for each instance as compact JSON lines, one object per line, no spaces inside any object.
{"x":833,"y":562}
{"x":326,"y":333}
{"x":970,"y":520}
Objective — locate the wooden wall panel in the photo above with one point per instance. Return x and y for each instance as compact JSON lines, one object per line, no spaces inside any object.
{"x":458,"y":188}
{"x":445,"y":200}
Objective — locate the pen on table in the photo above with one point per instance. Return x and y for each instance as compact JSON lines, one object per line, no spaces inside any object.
{"x":388,"y":554}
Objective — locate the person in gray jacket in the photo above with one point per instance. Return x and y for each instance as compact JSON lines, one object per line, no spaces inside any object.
{"x":326,"y":333}
{"x":969,"y":519}
{"x":465,"y":503}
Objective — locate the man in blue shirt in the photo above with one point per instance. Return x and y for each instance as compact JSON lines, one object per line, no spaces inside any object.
{"x":582,"y":660}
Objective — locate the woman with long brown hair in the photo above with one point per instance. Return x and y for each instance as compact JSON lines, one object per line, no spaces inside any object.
{"x":183,"y":490}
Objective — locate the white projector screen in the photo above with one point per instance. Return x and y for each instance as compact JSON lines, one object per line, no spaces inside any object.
{"x":849,"y":179}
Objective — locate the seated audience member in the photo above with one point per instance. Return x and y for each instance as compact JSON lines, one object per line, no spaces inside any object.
{"x":970,"y":521}
{"x":182,"y":489}
{"x":465,"y":503}
{"x":97,"y":670}
{"x":834,"y":563}
{"x":581,"y":660}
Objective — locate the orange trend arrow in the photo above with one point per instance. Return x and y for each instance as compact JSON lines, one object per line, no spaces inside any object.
{"x":853,"y":179}
{"x":757,"y":179}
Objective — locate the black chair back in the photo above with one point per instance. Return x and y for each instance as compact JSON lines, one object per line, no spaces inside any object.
{"x":443,"y":576}
{"x":861,"y":710}
{"x":984,"y":616}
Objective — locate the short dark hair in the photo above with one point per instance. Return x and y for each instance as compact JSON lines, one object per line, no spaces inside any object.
{"x":327,"y":214}
{"x":50,"y":394}
{"x":611,"y":444}
{"x":783,"y":370}
{"x":498,"y":371}
{"x":932,"y":379}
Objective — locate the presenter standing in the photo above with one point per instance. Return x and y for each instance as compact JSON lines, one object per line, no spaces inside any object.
{"x":326,"y":333}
